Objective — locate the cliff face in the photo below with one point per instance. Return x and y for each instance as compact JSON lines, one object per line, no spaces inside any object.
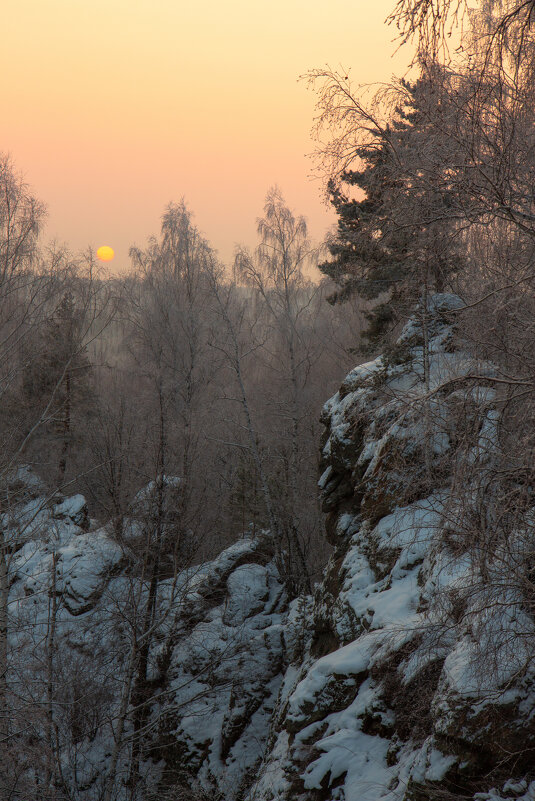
{"x":418,"y":682}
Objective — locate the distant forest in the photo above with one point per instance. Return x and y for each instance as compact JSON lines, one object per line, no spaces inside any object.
{"x":180,"y":369}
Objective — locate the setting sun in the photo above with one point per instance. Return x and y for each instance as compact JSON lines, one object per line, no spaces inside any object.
{"x":105,"y":253}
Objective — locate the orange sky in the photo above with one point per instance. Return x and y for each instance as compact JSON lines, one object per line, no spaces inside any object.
{"x":112,"y":108}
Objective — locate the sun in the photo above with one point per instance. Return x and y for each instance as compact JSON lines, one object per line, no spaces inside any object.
{"x":105,"y":253}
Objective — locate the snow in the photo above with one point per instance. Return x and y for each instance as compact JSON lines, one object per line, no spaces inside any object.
{"x":361,"y":373}
{"x":70,"y":507}
{"x":519,"y":790}
{"x":84,"y":566}
{"x":325,"y":477}
{"x":361,"y":757}
{"x":248,"y":591}
{"x":26,"y":476}
{"x":348,"y":661}
{"x":438,"y":765}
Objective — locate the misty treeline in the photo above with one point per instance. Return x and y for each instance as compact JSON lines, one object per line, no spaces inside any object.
{"x":180,"y":369}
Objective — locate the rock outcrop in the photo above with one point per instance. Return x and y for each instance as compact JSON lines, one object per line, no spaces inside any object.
{"x":79,"y":618}
{"x":418,"y":682}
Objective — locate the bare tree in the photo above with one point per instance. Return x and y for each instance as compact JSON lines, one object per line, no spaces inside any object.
{"x":277,"y":271}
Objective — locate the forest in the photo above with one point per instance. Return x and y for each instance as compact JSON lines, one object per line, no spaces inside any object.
{"x":162,"y":444}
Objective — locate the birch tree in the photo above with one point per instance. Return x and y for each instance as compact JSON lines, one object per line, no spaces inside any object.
{"x":277,"y":270}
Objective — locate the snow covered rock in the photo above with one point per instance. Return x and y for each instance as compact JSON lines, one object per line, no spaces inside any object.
{"x":74,"y":508}
{"x":224,"y":671}
{"x":198,"y":657}
{"x":418,"y":681}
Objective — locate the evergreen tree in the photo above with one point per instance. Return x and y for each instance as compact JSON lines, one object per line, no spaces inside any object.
{"x":245,"y":505}
{"x":399,"y":232}
{"x":58,"y":376}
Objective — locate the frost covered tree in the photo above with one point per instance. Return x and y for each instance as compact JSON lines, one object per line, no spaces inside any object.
{"x":27,"y":287}
{"x":21,"y":216}
{"x":35,"y":288}
{"x":170,"y":334}
{"x":171,"y":366}
{"x":287,"y":307}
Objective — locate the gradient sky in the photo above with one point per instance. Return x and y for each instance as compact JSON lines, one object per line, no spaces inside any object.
{"x":113,"y":108}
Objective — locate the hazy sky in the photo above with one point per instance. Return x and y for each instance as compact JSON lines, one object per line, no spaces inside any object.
{"x":112,"y":108}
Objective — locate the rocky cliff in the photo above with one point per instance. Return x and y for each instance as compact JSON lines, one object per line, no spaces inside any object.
{"x":408,"y":676}
{"x":418,"y":682}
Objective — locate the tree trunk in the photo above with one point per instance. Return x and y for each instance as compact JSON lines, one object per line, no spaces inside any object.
{"x":62,"y":467}
{"x":4,"y":594}
{"x":50,"y":689}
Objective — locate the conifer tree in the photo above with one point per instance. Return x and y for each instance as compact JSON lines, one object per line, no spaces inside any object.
{"x":396,"y":227}
{"x":60,"y":376}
